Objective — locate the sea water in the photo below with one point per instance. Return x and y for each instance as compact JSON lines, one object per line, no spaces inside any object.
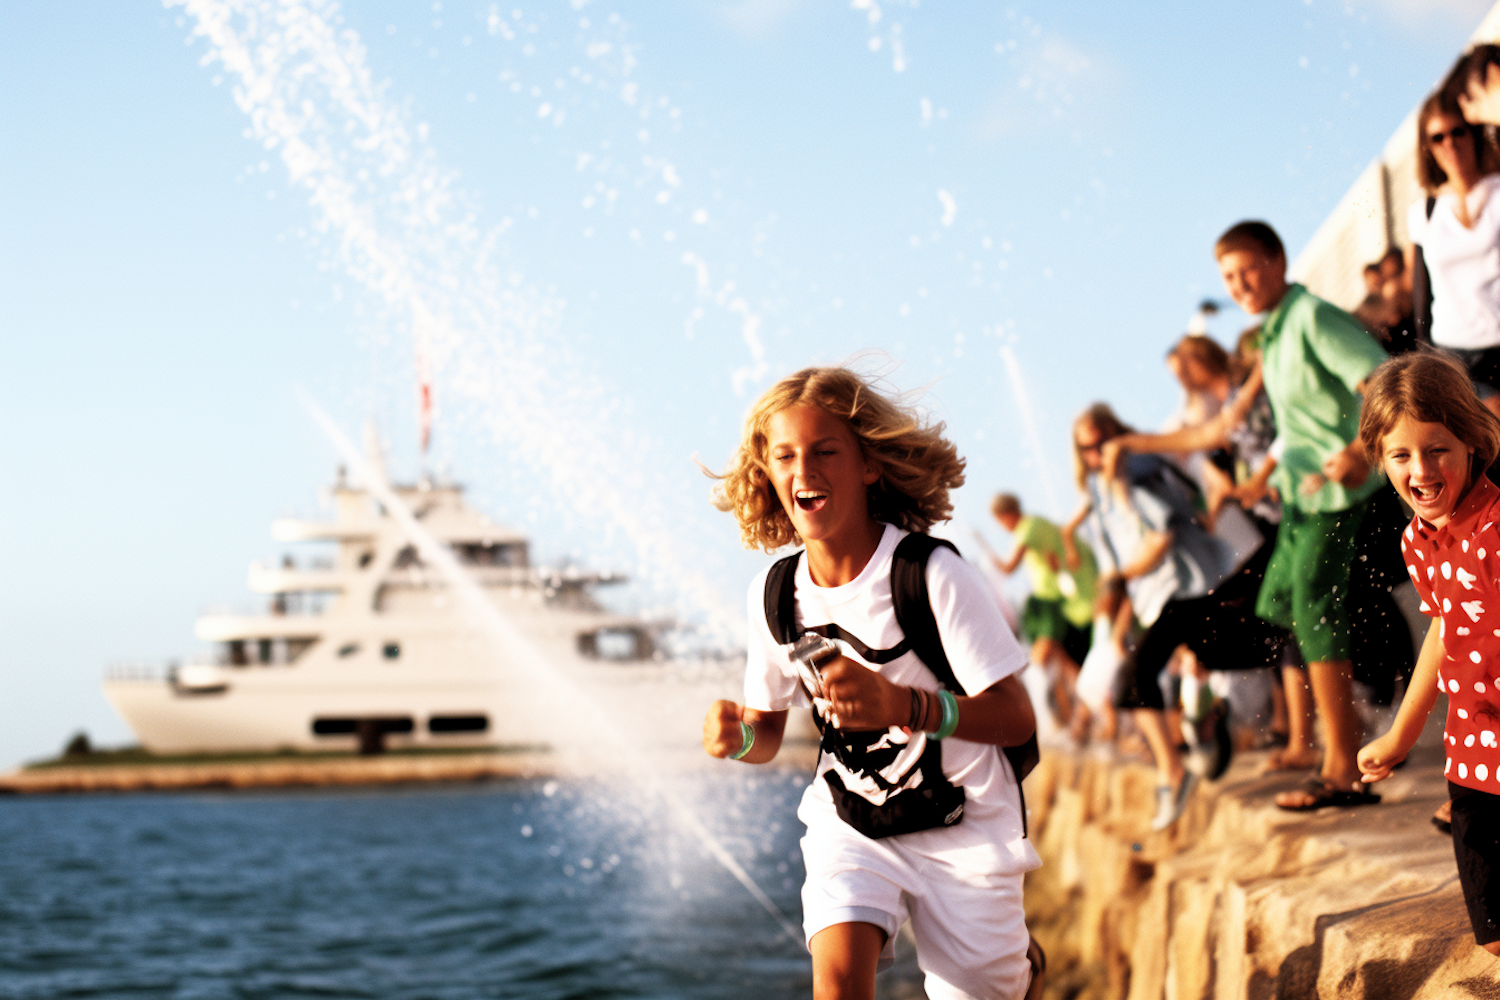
{"x":528,"y":889}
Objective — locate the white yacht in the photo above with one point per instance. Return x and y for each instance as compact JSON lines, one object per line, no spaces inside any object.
{"x":372,"y":648}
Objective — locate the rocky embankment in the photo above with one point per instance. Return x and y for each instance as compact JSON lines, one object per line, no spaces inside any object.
{"x":1244,"y":900}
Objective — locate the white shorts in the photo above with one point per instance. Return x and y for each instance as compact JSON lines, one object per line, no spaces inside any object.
{"x":969,"y":926}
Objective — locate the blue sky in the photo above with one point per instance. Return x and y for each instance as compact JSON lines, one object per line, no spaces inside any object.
{"x":606,"y":227}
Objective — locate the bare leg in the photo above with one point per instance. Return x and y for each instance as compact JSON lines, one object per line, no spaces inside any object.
{"x":1110,"y":726}
{"x":845,"y":957}
{"x":1333,"y":693}
{"x":1279,"y":724}
{"x":1152,"y":722}
{"x":1300,"y":753}
{"x":1046,"y":651}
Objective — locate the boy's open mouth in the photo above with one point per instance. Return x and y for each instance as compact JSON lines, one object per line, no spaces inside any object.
{"x":811,"y":499}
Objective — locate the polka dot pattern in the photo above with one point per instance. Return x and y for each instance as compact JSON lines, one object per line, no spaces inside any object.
{"x":1460,"y":587}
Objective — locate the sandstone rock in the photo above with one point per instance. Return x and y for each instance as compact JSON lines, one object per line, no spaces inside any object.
{"x":1244,"y":900}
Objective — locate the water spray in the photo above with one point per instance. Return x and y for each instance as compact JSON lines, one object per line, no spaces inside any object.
{"x":586,"y":714}
{"x":1028,"y":420}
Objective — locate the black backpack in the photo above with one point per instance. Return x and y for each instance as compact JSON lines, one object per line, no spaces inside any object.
{"x":913,"y":608}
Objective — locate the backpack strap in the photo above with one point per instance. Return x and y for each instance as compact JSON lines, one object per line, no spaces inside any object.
{"x":913,"y":606}
{"x":781,"y":599}
{"x":781,"y":616}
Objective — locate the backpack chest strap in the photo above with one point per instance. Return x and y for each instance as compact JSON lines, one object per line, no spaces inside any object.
{"x":875,"y":656}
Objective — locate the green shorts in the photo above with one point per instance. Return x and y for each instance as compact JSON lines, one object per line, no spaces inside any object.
{"x":1043,"y":619}
{"x":1307,"y":581}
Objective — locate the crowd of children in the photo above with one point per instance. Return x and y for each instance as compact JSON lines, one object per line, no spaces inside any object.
{"x":1256,"y":537}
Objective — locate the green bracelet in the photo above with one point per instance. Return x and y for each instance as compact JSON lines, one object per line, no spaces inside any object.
{"x":747,"y":737}
{"x":950,"y":716}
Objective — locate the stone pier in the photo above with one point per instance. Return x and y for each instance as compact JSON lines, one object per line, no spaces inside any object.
{"x":1244,"y":900}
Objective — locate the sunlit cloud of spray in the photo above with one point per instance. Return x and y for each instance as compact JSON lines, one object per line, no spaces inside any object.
{"x":393,"y":219}
{"x":586,"y":728}
{"x":1028,"y":421}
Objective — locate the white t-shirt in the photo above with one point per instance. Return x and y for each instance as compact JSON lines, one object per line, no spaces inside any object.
{"x":981,"y":650}
{"x":1463,"y":266}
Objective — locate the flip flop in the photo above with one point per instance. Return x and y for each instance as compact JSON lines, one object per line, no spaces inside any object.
{"x":1325,"y":794}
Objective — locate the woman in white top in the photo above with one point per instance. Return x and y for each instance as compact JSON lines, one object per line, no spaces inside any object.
{"x":1457,"y":225}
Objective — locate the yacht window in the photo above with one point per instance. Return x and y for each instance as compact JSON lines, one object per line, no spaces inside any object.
{"x":346,"y":727}
{"x":364,"y":560}
{"x":615,"y":644}
{"x":391,"y":650}
{"x":348,"y":649}
{"x":296,"y":648}
{"x":407,"y":557}
{"x":264,"y":649}
{"x":458,"y":724}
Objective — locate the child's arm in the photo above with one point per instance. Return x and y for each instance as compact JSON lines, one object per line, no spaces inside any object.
{"x":1154,"y":548}
{"x":722,"y":734}
{"x":1379,"y":756}
{"x":1258,"y":485}
{"x":862,"y":699}
{"x":1008,"y":566}
{"x":1349,"y":467}
{"x":1070,"y":544}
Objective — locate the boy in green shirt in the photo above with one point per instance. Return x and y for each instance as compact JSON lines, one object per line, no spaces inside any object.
{"x":1314,"y":359}
{"x":1057,"y":617}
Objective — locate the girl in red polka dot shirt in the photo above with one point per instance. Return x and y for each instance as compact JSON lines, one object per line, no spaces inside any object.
{"x":1423,"y":424}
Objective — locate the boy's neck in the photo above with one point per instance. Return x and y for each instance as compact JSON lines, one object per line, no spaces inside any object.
{"x":1286,"y":289}
{"x":834,"y":562}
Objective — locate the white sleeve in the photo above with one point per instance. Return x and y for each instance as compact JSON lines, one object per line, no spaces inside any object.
{"x":979,"y":644}
{"x":770,"y":680}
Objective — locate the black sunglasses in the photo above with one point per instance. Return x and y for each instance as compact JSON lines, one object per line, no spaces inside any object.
{"x":1442,"y":138}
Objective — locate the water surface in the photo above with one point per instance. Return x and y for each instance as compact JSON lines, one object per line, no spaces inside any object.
{"x":529,"y":889}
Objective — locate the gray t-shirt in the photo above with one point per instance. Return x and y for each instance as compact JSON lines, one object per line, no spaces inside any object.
{"x":1158,"y":499}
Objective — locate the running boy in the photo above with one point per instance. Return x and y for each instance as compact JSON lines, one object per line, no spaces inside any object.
{"x":1435,"y":438}
{"x":829,"y":462}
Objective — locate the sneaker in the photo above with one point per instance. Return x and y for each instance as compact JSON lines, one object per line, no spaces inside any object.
{"x":1170,"y":804}
{"x":1218,"y":741}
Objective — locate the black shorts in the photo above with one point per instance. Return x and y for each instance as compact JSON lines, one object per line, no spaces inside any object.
{"x":1220,"y":627}
{"x":1077,"y":642}
{"x":1476,"y":848}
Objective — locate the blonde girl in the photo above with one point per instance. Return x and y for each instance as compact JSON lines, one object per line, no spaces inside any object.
{"x":828,"y":462}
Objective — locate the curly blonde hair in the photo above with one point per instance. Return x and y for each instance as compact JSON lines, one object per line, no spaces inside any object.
{"x":918,"y":466}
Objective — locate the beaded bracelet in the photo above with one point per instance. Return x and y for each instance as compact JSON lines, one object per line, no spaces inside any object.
{"x":950,"y":716}
{"x":747,"y":737}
